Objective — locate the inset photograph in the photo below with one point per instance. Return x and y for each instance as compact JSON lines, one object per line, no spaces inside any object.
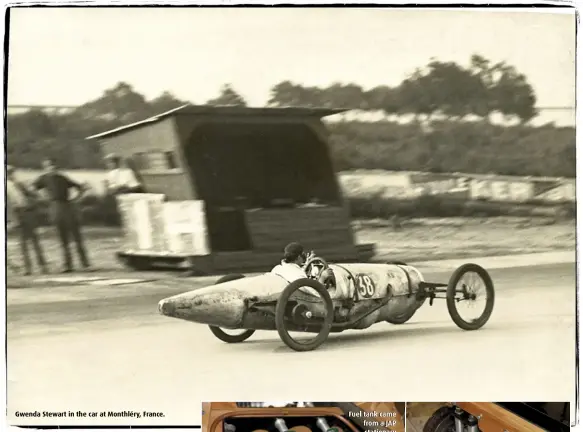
{"x":488,"y":416}
{"x":303,"y":416}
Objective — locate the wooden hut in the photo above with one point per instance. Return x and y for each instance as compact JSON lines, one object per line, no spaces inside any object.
{"x":228,"y":187}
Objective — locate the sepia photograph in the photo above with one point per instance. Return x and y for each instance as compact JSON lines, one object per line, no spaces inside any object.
{"x":281,"y":203}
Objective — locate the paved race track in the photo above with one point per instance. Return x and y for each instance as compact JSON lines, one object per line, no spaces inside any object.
{"x":119,"y":354}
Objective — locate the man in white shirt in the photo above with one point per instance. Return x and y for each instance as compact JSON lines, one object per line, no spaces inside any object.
{"x":120,"y":179}
{"x":292,"y":267}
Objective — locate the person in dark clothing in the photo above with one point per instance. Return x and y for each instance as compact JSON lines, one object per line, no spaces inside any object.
{"x":23,"y":214}
{"x":64,"y":214}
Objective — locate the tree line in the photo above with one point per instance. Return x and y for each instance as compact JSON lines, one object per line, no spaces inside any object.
{"x":441,"y":93}
{"x":444,"y":89}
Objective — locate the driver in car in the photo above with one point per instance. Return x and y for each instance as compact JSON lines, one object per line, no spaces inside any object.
{"x":293,"y":266}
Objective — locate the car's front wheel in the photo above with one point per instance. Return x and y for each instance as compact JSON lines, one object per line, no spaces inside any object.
{"x":292,"y":315}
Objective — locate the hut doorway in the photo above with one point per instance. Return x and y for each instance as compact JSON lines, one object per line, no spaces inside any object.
{"x":238,"y":165}
{"x":260,"y":164}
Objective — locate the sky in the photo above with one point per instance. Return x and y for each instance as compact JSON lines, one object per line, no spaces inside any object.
{"x":68,"y":56}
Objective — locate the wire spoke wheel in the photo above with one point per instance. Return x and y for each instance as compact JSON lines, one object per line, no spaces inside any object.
{"x":304,"y":315}
{"x":470,"y":297}
{"x":473,"y":300}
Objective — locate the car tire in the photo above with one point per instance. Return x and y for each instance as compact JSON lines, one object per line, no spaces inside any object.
{"x":451,"y":297}
{"x":228,"y":338}
{"x":281,"y":309}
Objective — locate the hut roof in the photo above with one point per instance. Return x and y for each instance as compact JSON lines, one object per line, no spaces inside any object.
{"x":225,"y":110}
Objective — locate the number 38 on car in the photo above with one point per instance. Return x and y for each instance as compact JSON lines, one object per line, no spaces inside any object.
{"x":355,"y":296}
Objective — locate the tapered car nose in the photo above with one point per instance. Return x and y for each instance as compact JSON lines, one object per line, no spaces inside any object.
{"x":166,"y":307}
{"x":213,"y":306}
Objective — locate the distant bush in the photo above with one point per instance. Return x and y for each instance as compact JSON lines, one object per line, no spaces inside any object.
{"x":477,"y":148}
{"x":445,"y":146}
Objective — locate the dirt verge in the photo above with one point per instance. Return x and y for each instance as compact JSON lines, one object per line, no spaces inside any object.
{"x":415,"y":240}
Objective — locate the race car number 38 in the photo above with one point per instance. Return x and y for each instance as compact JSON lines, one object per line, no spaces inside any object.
{"x":365,"y":286}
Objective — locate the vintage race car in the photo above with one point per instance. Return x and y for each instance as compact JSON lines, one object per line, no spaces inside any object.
{"x":356,"y":297}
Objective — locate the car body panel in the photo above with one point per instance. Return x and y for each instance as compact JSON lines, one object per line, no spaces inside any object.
{"x":242,"y":303}
{"x":376,"y":281}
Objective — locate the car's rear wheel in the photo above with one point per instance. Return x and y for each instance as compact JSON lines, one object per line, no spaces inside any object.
{"x":472,"y":293}
{"x":238,"y":335}
{"x":284,"y":311}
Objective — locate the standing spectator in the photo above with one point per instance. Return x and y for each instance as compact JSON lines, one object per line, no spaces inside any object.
{"x":22,"y":213}
{"x":120,"y":179}
{"x":64,"y":214}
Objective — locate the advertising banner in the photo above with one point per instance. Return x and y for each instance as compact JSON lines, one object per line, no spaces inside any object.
{"x":490,"y":188}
